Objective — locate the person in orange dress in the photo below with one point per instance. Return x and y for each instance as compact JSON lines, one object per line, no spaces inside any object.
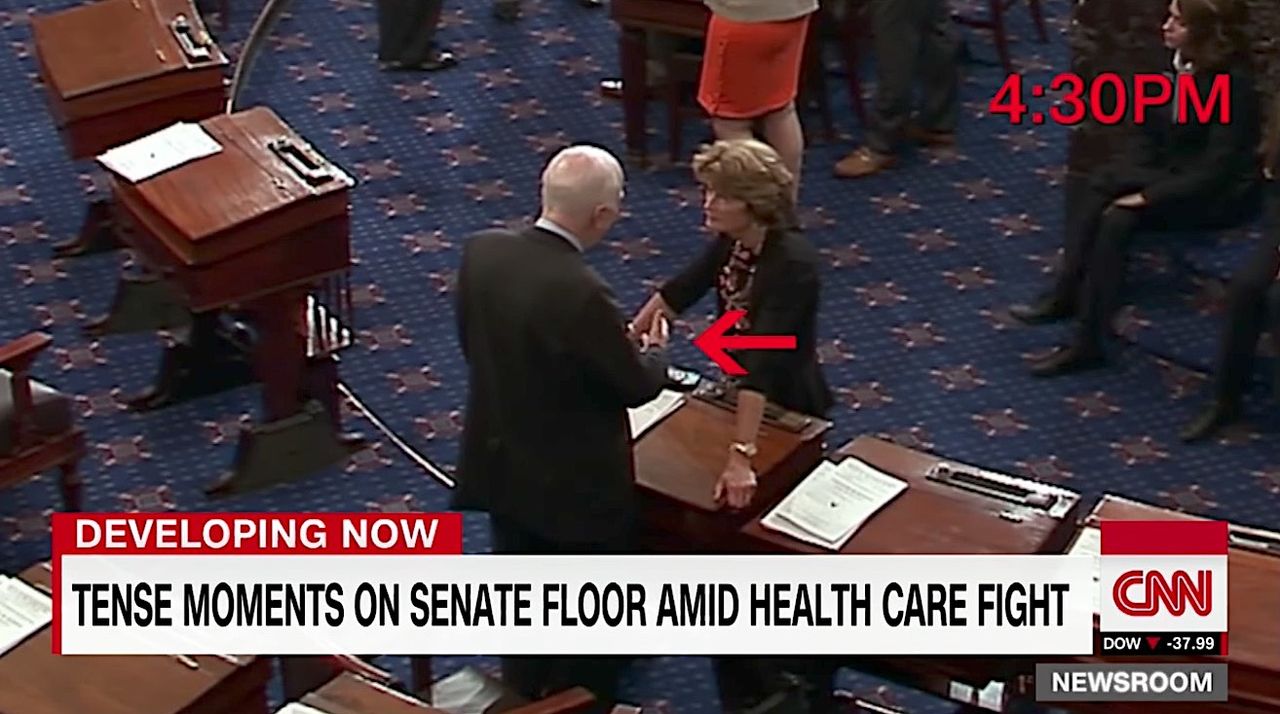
{"x":751,"y":72}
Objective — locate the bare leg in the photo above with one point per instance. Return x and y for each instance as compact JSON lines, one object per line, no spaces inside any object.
{"x":728,"y":129}
{"x":783,"y":132}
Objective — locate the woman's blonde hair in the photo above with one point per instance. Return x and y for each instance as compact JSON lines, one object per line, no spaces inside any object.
{"x":750,"y":171}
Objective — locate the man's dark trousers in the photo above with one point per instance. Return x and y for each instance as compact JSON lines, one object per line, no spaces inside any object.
{"x":914,"y":40}
{"x":537,"y":677}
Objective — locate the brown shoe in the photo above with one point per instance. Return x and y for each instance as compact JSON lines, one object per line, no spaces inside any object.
{"x":864,"y":161}
{"x":928,"y":137}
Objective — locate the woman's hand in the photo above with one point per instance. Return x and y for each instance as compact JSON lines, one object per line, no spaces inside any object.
{"x":644,"y":322}
{"x":737,"y":483}
{"x":1133,"y":200}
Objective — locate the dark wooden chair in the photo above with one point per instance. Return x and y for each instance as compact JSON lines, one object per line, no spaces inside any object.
{"x":457,"y":692}
{"x":683,"y":70}
{"x":994,"y":21}
{"x":37,"y":429}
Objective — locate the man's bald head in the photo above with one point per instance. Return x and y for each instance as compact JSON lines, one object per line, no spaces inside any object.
{"x":582,"y":190}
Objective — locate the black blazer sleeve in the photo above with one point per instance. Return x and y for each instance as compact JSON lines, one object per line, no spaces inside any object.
{"x":1228,"y":144}
{"x":787,"y":305}
{"x":598,"y":342}
{"x":688,"y":287}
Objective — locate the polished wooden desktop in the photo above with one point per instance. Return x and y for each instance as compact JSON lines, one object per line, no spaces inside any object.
{"x":1253,"y":644}
{"x":350,"y":693}
{"x":261,"y":228}
{"x":679,"y":461}
{"x":35,"y":681}
{"x":117,"y":70}
{"x":933,"y":517}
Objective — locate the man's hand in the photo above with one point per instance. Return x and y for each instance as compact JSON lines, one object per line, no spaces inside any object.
{"x":737,"y":483}
{"x":1133,"y":200}
{"x":643,"y":322}
{"x":658,"y":335}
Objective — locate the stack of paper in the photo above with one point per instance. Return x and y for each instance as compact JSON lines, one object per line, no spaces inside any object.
{"x":156,"y":153}
{"x":1089,"y":542}
{"x":298,"y":708}
{"x":646,"y":417}
{"x":833,"y":502}
{"x":23,"y":612}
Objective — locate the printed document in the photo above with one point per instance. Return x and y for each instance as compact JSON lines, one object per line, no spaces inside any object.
{"x":156,"y":153}
{"x":833,"y":502}
{"x":23,"y":612}
{"x":646,"y":417}
{"x":1089,"y":542}
{"x":298,"y":708}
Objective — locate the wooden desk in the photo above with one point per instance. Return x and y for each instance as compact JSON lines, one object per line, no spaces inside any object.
{"x":679,"y":461}
{"x":937,"y":518}
{"x":262,"y":228}
{"x":34,"y":681}
{"x":635,"y":18}
{"x":117,"y":70}
{"x":1253,"y":645}
{"x":351,"y":694}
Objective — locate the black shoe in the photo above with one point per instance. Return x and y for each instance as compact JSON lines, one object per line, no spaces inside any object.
{"x":611,"y":88}
{"x":1069,"y":360}
{"x":437,"y":60}
{"x":1215,"y":416}
{"x":1042,"y":311}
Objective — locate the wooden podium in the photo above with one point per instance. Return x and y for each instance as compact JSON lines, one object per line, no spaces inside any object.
{"x":972,"y":511}
{"x":35,"y":681}
{"x":116,"y":70}
{"x":1253,"y":647}
{"x":260,"y":230}
{"x":680,"y":459}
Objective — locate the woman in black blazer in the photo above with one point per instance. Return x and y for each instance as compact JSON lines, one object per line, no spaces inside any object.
{"x":1188,"y":173}
{"x":1253,"y":305}
{"x":759,"y":264}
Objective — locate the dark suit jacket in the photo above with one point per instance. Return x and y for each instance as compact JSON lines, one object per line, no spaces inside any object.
{"x":784,"y":301}
{"x":546,"y":441}
{"x":1212,"y":164}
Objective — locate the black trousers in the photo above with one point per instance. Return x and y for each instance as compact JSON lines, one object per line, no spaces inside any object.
{"x":915,"y":40}
{"x":538,"y":677}
{"x":407,"y":30}
{"x":1098,"y":237}
{"x":1253,"y":306}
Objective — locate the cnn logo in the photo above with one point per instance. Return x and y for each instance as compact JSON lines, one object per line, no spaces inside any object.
{"x":1144,"y":593}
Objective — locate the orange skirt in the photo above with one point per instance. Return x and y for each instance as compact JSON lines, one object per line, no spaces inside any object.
{"x":750,"y":69}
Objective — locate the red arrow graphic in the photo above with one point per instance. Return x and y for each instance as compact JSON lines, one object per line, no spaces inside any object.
{"x":713,"y":341}
{"x":1153,"y":642}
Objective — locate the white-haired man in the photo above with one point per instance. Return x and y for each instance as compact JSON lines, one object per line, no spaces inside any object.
{"x":546,"y":448}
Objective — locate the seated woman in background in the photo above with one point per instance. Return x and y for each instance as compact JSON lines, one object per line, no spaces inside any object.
{"x":1253,"y":305}
{"x":1196,"y":173}
{"x":758,"y":264}
{"x":751,"y":73}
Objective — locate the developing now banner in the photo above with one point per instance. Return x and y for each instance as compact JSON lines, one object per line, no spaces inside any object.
{"x":297,"y":584}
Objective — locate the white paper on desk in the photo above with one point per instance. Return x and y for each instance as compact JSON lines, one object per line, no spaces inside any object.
{"x":298,"y":708}
{"x":156,"y":153}
{"x":833,"y":502}
{"x":992,"y":696}
{"x":23,"y":611}
{"x":1089,"y":542}
{"x":644,"y":418}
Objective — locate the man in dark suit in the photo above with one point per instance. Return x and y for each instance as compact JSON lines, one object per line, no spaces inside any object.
{"x":546,"y":446}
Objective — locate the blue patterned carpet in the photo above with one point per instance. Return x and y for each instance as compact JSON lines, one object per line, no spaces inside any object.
{"x":923,"y":262}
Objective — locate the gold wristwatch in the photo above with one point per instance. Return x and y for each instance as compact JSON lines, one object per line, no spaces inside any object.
{"x":745,"y":449}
